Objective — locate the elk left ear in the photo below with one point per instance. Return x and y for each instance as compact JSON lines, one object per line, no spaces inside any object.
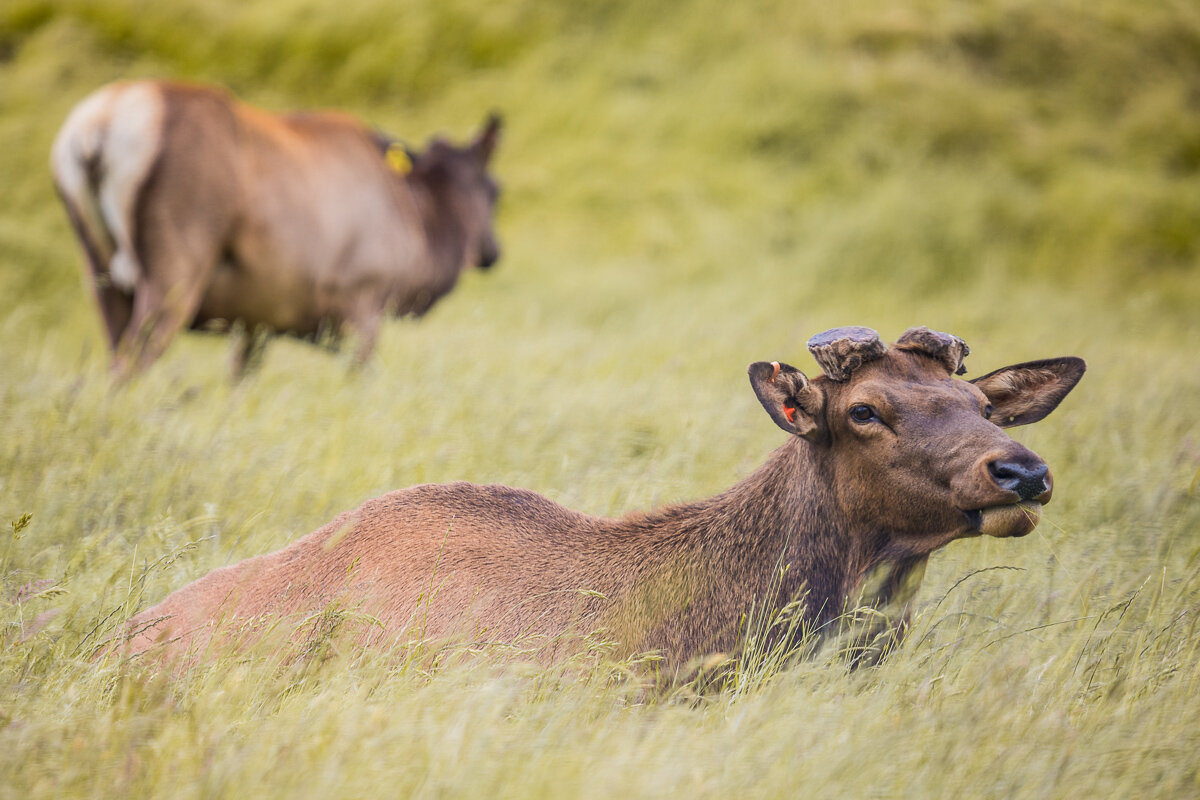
{"x":789,"y":398}
{"x":489,"y":137}
{"x":1025,"y":393}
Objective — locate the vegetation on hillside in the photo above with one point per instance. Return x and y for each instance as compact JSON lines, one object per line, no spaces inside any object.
{"x":689,"y":187}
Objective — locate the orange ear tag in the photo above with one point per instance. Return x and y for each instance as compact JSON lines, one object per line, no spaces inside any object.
{"x":790,"y":413}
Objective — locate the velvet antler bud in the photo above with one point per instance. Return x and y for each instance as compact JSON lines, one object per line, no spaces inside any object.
{"x":840,"y":351}
{"x":945,"y":347}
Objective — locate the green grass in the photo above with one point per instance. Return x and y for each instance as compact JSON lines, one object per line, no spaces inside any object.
{"x":689,"y":187}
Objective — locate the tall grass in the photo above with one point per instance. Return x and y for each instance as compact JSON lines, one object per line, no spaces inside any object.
{"x":688,"y":187}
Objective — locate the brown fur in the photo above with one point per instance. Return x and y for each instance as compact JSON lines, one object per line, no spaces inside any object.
{"x":840,"y":499}
{"x":284,"y":223}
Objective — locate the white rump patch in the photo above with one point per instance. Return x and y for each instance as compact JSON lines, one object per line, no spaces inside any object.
{"x":119,"y":128}
{"x":77,"y":142}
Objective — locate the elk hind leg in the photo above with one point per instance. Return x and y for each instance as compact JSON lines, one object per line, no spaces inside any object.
{"x":167,"y":296}
{"x":116,"y":305}
{"x":158,"y":314}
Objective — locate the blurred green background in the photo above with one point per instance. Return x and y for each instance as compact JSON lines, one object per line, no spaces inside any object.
{"x":689,"y":187}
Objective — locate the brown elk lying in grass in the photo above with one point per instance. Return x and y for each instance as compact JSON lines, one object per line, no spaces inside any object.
{"x":194,"y":209}
{"x":889,"y":457}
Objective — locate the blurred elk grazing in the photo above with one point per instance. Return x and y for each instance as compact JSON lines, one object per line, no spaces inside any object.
{"x":889,"y":457}
{"x":196,"y":210}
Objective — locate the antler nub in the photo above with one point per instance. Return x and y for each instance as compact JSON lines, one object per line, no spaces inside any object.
{"x":945,"y":347}
{"x":840,"y":351}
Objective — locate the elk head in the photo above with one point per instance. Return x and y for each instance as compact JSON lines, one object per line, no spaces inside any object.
{"x":910,"y":450}
{"x":458,"y":177}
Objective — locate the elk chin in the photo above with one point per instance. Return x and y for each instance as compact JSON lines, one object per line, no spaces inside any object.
{"x":1016,"y":519}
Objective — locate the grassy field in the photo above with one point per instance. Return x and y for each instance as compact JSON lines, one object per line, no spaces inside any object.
{"x":689,"y":187}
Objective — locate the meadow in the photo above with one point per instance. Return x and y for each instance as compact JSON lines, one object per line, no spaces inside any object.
{"x":688,"y":187}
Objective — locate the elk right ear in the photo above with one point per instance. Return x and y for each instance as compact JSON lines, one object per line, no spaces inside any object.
{"x":788,"y":397}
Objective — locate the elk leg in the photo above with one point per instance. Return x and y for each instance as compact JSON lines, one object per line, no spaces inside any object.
{"x":180,"y":306}
{"x":115,"y":306}
{"x":248,"y":352}
{"x":368,"y":334}
{"x":128,"y":348}
{"x":365,"y":320}
{"x":158,"y":314}
{"x":116,"y":309}
{"x":178,"y":249}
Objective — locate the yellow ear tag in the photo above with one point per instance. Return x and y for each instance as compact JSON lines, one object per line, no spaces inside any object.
{"x":398,"y":160}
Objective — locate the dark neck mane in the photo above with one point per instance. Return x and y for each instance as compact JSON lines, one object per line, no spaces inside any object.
{"x":444,"y":232}
{"x":784,"y":517}
{"x":774,"y":537}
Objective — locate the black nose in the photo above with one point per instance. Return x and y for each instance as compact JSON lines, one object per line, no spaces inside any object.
{"x":1027,"y":480}
{"x":488,"y":256}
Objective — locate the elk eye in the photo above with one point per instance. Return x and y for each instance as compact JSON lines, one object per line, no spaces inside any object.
{"x":862,"y":413}
{"x":987,"y":411}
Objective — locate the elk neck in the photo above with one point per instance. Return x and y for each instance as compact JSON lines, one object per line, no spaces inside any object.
{"x":445,"y":234}
{"x":780,"y":533}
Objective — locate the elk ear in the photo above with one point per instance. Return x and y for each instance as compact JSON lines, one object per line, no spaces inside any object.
{"x":1025,"y":393}
{"x":485,"y":144}
{"x":788,"y":397}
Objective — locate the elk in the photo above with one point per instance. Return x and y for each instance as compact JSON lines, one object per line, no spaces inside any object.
{"x":889,"y":457}
{"x":194,"y":209}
